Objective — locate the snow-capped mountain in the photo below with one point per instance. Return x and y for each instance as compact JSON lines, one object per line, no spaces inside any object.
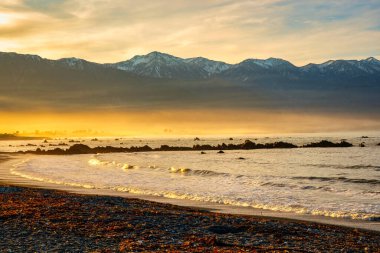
{"x":209,"y":66}
{"x":74,"y":63}
{"x":160,"y":80}
{"x":254,"y":69}
{"x":271,"y":63}
{"x":161,"y":65}
{"x":345,"y":67}
{"x":165,"y":66}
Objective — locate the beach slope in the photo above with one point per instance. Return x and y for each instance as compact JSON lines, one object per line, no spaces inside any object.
{"x":48,"y":220}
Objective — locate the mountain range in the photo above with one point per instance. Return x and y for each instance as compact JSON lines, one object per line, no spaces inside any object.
{"x":162,"y":65}
{"x":162,"y":80}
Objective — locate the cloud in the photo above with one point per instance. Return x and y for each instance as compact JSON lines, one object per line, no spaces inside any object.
{"x":104,"y":31}
{"x":54,"y":8}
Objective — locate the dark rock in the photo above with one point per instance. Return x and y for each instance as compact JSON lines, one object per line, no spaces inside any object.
{"x":203,"y":147}
{"x":328,"y":144}
{"x":170,"y":148}
{"x":196,"y":139}
{"x":109,"y":149}
{"x":56,"y":151}
{"x":79,"y":149}
{"x":282,"y":144}
{"x":223,"y":146}
{"x":7,"y":189}
{"x":226,"y":229}
{"x":248,"y":145}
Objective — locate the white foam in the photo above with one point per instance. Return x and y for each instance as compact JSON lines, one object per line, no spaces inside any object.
{"x":266,"y":179}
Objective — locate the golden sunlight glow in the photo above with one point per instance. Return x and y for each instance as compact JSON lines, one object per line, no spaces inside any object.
{"x":176,"y":123}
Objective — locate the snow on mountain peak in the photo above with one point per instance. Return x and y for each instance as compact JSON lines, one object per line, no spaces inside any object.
{"x":73,"y":62}
{"x":154,"y":59}
{"x":164,"y":58}
{"x":372,"y":60}
{"x":210,"y":66}
{"x":349,"y":67}
{"x":267,"y":63}
{"x":160,"y":65}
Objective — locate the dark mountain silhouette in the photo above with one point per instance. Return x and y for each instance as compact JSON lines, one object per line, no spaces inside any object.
{"x":160,"y":80}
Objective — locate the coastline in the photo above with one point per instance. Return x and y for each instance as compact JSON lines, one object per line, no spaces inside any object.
{"x":7,"y":178}
{"x":37,"y":219}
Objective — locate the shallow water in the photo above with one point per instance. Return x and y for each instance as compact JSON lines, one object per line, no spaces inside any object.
{"x":335,"y":182}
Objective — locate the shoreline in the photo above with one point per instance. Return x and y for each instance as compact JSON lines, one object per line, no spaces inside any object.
{"x":7,"y":178}
{"x":35,"y":219}
{"x":40,"y":220}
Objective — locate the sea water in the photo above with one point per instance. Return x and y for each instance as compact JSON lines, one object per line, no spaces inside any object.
{"x":334,"y":182}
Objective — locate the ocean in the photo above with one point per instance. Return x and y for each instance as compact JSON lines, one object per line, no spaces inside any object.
{"x":333,"y":182}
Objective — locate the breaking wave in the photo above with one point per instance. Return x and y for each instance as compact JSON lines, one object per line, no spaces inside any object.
{"x":341,"y":179}
{"x":264,"y":184}
{"x":347,"y":167}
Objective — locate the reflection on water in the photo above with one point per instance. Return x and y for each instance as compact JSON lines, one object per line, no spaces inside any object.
{"x":336,"y":182}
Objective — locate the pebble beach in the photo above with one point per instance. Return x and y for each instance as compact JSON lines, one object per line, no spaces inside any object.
{"x":39,"y":220}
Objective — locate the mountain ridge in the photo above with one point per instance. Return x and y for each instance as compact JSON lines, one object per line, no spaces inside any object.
{"x":164,"y":81}
{"x":368,"y":59}
{"x":162,"y":65}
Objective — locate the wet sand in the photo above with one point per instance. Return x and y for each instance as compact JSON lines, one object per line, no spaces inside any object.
{"x":36,"y":219}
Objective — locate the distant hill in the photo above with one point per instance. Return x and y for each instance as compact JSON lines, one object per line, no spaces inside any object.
{"x":159,"y":80}
{"x":11,"y":137}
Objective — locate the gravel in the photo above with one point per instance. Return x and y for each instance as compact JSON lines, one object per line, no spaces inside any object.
{"x":38,"y":220}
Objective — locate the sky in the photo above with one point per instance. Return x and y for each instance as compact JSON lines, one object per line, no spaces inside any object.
{"x":227,"y":30}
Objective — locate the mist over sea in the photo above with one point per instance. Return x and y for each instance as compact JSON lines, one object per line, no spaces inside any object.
{"x":334,"y":182}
